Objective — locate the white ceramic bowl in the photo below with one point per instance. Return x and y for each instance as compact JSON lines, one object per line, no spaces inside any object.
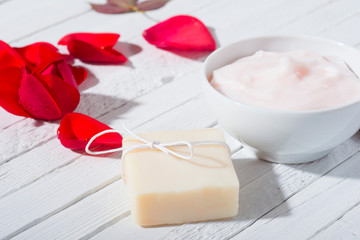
{"x":283,"y":136}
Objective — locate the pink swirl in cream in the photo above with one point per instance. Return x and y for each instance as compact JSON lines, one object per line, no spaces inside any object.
{"x":296,"y":80}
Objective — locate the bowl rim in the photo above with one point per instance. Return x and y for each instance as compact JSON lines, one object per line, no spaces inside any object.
{"x":282,"y":111}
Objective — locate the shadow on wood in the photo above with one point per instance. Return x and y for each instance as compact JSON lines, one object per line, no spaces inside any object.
{"x":335,"y":158}
{"x":260,"y":190}
{"x":90,"y":81}
{"x":92,"y":104}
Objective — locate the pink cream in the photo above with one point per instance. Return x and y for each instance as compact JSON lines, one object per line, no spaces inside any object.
{"x":296,"y":80}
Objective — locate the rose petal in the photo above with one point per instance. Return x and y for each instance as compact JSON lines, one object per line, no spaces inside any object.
{"x":87,"y":53}
{"x":123,"y":3}
{"x":40,"y":52}
{"x":66,"y":73}
{"x":46,"y":68}
{"x":63,"y":70}
{"x":79,"y":73}
{"x":36,"y":100}
{"x":10,"y":79}
{"x":65,"y":95}
{"x":9,"y":60}
{"x":4,"y":45}
{"x":181,"y":32}
{"x":151,"y":5}
{"x":76,"y":129}
{"x":96,"y":39}
{"x":47,"y":97}
{"x":48,"y":92}
{"x":9,"y":57}
{"x":93,"y":48}
{"x":110,"y":8}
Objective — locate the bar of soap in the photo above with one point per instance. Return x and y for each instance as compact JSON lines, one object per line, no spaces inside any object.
{"x":164,"y":189}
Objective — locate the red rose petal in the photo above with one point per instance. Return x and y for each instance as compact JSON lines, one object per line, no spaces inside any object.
{"x":9,"y":57}
{"x":181,"y":32}
{"x":36,"y":100}
{"x":50,"y":90}
{"x":46,"y":68}
{"x":76,"y":130}
{"x":93,"y":48}
{"x":95,"y":39}
{"x":90,"y":54}
{"x":40,"y":52}
{"x":66,"y":73}
{"x":47,"y":97}
{"x":4,"y":45}
{"x":9,"y":60}
{"x":65,"y":95}
{"x":70,"y":74}
{"x":79,"y":73}
{"x":10,"y":79}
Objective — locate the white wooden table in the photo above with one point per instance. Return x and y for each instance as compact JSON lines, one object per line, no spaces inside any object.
{"x":50,"y":192}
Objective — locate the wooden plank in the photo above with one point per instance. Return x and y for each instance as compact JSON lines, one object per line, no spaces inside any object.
{"x":165,"y":233}
{"x":87,"y":172}
{"x":265,"y":193}
{"x":113,"y":209}
{"x":236,"y":11}
{"x":89,"y":98}
{"x":104,"y":96}
{"x":111,"y":202}
{"x":118,"y":84}
{"x":267,"y":21}
{"x":6,"y":119}
{"x":347,"y":227}
{"x":248,"y":168}
{"x":314,"y":208}
{"x":55,"y":192}
{"x":216,"y":228}
{"x":31,"y":166}
{"x":48,"y":15}
{"x":325,"y":18}
{"x":344,"y":31}
{"x":21,"y":17}
{"x":257,"y":198}
{"x":95,"y":22}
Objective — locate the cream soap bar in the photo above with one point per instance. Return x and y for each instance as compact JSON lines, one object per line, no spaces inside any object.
{"x":164,"y":189}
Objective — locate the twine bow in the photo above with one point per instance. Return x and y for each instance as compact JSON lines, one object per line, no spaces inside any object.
{"x":164,"y":147}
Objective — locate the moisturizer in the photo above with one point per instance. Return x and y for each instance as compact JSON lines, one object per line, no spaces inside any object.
{"x":296,"y":80}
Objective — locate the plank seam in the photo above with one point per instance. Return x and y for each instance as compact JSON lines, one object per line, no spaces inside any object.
{"x":308,"y":12}
{"x":77,"y":157}
{"x":97,"y":117}
{"x":13,"y":123}
{"x":50,"y":26}
{"x":26,"y":151}
{"x":78,"y":199}
{"x":334,"y":221}
{"x":340,"y":22}
{"x":285,"y":199}
{"x":169,"y":110}
{"x":65,"y":206}
{"x":39,"y":177}
{"x":106,"y":225}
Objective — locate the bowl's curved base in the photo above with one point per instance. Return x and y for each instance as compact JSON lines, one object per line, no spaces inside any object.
{"x":297,"y":158}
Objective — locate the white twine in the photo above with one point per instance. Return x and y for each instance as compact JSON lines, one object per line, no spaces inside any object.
{"x":164,"y":147}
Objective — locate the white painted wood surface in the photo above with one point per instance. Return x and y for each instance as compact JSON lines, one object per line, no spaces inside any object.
{"x":49,"y":192}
